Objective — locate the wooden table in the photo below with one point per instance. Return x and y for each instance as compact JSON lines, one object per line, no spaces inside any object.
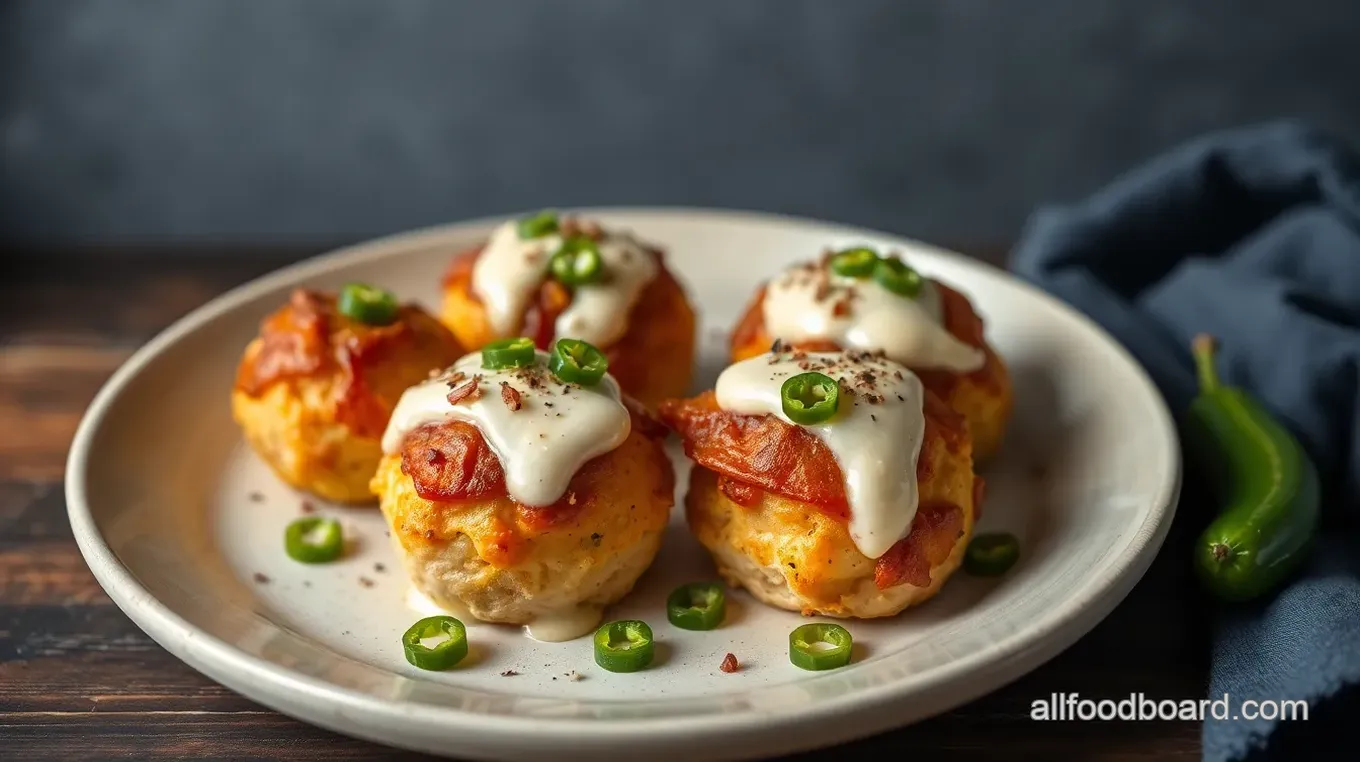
{"x":78,"y":678}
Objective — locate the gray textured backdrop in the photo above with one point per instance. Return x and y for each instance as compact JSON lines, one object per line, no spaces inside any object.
{"x":948,"y":120}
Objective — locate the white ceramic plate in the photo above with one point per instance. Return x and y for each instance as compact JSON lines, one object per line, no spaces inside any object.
{"x":160,"y":487}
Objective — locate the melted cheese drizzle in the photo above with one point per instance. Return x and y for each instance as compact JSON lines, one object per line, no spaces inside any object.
{"x":801,"y":304}
{"x":510,"y":270}
{"x":540,"y":447}
{"x":876,"y":445}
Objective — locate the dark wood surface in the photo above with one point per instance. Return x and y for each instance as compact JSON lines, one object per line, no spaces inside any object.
{"x":78,"y":679}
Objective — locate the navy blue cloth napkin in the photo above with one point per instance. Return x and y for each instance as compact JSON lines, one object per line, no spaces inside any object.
{"x":1252,"y":235}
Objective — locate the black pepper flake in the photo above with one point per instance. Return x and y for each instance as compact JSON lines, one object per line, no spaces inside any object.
{"x":366,"y":582}
{"x":307,"y":507}
{"x":260,"y":579}
{"x":873,"y":418}
{"x":379,"y":568}
{"x":256,"y":497}
{"x":509,"y":673}
{"x":595,"y":538}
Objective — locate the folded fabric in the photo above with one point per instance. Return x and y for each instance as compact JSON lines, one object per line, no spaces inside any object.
{"x":1253,"y":236}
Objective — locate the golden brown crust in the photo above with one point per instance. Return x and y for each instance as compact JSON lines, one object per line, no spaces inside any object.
{"x":754,"y":455}
{"x":314,"y":390}
{"x":651,"y":361}
{"x":622,"y":493}
{"x":793,"y":554}
{"x":372,"y":365}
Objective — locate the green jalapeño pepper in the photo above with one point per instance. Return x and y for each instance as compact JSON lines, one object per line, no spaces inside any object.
{"x":820,"y":646}
{"x":578,"y":262}
{"x":990,"y":555}
{"x":577,"y":362}
{"x":624,"y":646}
{"x":367,"y":304}
{"x":898,"y":277}
{"x":538,"y":225}
{"x":858,"y":262}
{"x":1266,"y":484}
{"x":517,"y":352}
{"x":810,"y":398}
{"x":451,"y":648}
{"x":314,"y":540}
{"x":698,"y":606}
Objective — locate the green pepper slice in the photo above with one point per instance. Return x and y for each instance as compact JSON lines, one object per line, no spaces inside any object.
{"x":314,"y":540}
{"x":577,"y":362}
{"x":624,"y":646}
{"x":367,"y":304}
{"x":538,"y":225}
{"x":820,"y":646}
{"x":699,"y":606}
{"x":858,"y":262}
{"x":442,"y":655}
{"x":810,"y":398}
{"x":578,"y":262}
{"x":898,"y":277}
{"x":518,"y":352}
{"x":990,"y":555}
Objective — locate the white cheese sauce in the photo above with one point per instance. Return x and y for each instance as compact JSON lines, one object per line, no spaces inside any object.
{"x":809,"y":302}
{"x":541,"y":445}
{"x":548,"y":627}
{"x":875,"y":435}
{"x":510,"y":270}
{"x":566,"y":624}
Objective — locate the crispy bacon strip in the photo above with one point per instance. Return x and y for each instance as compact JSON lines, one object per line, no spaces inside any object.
{"x":467,"y":391}
{"x":759,"y":450}
{"x":739,"y":492}
{"x":540,"y":320}
{"x":510,"y":396}
{"x":451,"y":461}
{"x":294,"y":341}
{"x":933,"y":533}
{"x":309,"y":337}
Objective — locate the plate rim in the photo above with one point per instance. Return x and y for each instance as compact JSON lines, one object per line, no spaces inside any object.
{"x":875,"y":709}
